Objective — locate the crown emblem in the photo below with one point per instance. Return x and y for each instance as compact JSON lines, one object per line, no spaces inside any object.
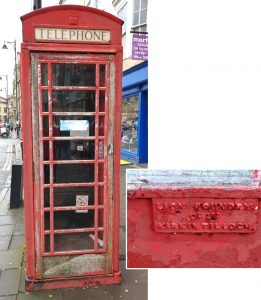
{"x":73,"y":19}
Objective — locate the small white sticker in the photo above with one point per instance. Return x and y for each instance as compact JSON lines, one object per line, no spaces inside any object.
{"x":82,"y":201}
{"x":79,"y":147}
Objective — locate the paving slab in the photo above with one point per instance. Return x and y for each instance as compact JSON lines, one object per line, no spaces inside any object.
{"x":8,"y":220}
{"x":50,"y":295}
{"x":22,"y":281}
{"x":136,"y":277}
{"x":17,"y":242}
{"x":20,"y":219}
{"x":97,"y":293}
{"x":15,"y":211}
{"x":9,"y":282}
{"x":19,"y":227}
{"x":8,"y":297}
{"x":77,"y":294}
{"x":4,"y":205}
{"x":19,"y":231}
{"x":122,"y":241}
{"x":4,"y":242}
{"x":127,"y":292}
{"x":10,"y":259}
{"x":6,"y":230}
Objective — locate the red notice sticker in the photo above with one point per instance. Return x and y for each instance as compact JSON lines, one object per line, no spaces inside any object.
{"x":196,"y":215}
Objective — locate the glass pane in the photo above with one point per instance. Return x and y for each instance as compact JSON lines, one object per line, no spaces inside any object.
{"x":129,"y":134}
{"x":74,"y":101}
{"x":47,"y":197}
{"x":67,"y":196}
{"x":100,"y":240}
{"x":143,"y":16}
{"x":45,"y":126}
{"x":100,"y":195}
{"x":102,"y":101}
{"x":101,"y":126}
{"x":45,"y":101}
{"x":46,"y":150}
{"x":73,"y":219}
{"x":74,"y":241}
{"x":136,"y":5}
{"x":46,"y":220}
{"x":136,"y":16}
{"x":100,"y":217}
{"x":100,"y":172}
{"x":47,"y":243}
{"x":102,"y":75}
{"x":73,"y":173}
{"x":75,"y":126}
{"x":73,"y":74}
{"x":144,"y":4}
{"x":44,"y":74}
{"x":46,"y":174}
{"x":73,"y":150}
{"x":101,"y":149}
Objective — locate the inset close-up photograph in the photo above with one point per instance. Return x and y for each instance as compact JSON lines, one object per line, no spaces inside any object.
{"x":193,"y":218}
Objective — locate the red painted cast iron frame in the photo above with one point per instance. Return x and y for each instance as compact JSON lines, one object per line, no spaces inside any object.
{"x":97,"y":61}
{"x":149,"y":249}
{"x":57,"y":16}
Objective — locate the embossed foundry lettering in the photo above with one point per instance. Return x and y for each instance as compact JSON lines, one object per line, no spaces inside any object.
{"x":205,"y":215}
{"x":204,"y":225}
{"x":170,"y":206}
{"x":224,"y":206}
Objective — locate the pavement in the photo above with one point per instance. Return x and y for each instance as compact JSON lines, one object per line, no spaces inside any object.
{"x":134,"y":285}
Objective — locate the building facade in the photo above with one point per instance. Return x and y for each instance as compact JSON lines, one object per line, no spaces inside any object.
{"x":3,"y":110}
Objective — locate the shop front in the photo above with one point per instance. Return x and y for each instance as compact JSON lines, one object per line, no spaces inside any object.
{"x":134,"y":134}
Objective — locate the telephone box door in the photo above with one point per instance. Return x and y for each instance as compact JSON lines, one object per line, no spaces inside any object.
{"x":72,"y":101}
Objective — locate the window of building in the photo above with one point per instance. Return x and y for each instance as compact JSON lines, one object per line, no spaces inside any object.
{"x":122,"y":14}
{"x":129,"y":124}
{"x":139,"y":21}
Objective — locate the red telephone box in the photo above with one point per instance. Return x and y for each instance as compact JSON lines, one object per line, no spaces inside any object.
{"x":71,"y":68}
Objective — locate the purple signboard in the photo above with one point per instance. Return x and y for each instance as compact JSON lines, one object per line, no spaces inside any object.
{"x":140,"y":47}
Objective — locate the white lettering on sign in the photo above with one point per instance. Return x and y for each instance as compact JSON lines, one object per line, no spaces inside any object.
{"x":63,"y":34}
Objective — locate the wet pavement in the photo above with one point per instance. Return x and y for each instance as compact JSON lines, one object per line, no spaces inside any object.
{"x":12,"y":260}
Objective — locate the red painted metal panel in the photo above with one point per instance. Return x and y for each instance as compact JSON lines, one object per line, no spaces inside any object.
{"x":173,"y":215}
{"x":194,"y":227}
{"x":117,"y":147}
{"x":59,"y":17}
{"x":27,"y":163}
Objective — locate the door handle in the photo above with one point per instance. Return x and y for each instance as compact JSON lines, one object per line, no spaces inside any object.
{"x":110,"y":149}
